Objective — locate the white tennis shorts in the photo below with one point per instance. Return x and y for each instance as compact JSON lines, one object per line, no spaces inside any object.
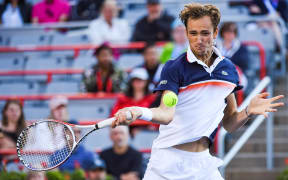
{"x":173,"y":164}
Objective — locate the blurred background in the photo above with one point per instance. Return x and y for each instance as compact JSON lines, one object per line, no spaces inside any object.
{"x":81,"y":60}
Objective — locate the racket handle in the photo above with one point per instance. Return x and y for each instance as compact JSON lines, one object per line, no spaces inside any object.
{"x":108,"y":122}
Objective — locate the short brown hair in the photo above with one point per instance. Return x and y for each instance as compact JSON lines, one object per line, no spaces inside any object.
{"x":228,"y":26}
{"x":196,"y":11}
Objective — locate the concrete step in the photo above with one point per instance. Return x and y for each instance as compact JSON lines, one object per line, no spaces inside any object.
{"x":259,"y":145}
{"x":257,"y":160}
{"x":252,"y":174}
{"x":278,"y":132}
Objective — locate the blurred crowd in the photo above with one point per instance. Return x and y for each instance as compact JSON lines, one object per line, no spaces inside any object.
{"x":136,"y":86}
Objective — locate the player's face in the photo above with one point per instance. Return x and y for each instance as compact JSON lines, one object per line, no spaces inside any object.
{"x":13,"y":112}
{"x":201,"y":35}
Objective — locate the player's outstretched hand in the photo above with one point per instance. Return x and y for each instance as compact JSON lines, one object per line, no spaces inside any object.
{"x":260,"y":104}
{"x":121,"y":116}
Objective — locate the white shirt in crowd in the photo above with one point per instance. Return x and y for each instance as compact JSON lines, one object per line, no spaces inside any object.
{"x":12,"y":17}
{"x":99,"y":31}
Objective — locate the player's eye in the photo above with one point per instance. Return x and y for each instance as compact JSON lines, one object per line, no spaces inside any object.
{"x":193,"y":33}
{"x":205,"y":33}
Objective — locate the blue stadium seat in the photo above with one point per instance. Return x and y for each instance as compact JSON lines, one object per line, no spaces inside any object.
{"x":144,"y":139}
{"x":19,"y":88}
{"x":36,"y":112}
{"x":9,"y":62}
{"x":62,"y":87}
{"x":37,"y":63}
{"x":129,"y":61}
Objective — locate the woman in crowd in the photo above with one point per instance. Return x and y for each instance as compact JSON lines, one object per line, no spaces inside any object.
{"x":13,"y":121}
{"x":137,"y":93}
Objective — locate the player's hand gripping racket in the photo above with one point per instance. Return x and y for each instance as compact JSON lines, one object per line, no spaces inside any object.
{"x":47,"y":144}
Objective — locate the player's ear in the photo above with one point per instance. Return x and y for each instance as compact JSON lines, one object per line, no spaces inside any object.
{"x":215,"y":33}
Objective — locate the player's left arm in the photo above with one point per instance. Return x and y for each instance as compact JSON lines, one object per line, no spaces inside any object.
{"x":259,"y":105}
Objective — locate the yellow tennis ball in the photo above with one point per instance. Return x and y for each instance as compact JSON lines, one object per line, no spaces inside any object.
{"x":170,"y":99}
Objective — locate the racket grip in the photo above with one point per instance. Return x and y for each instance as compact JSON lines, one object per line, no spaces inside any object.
{"x":108,"y":122}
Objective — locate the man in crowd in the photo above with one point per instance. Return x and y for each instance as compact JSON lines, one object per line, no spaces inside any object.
{"x":156,"y":26}
{"x":122,"y":161}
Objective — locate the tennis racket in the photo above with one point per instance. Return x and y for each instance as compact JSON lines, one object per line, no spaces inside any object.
{"x":47,"y":144}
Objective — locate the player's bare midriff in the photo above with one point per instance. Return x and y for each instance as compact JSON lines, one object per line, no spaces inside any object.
{"x":195,"y":146}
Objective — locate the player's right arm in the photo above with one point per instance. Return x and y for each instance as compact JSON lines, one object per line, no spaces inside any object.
{"x":160,"y":115}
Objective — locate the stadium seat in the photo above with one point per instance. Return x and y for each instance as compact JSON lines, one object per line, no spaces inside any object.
{"x":36,"y":62}
{"x":62,"y":87}
{"x":144,"y":139}
{"x":19,"y":88}
{"x":129,"y":61}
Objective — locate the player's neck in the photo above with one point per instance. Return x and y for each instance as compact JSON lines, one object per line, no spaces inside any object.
{"x":120,"y":149}
{"x":208,"y":58}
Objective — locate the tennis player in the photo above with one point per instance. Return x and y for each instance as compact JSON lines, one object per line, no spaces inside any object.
{"x":205,"y":83}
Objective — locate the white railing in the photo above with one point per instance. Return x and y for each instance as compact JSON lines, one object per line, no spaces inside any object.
{"x":250,"y":130}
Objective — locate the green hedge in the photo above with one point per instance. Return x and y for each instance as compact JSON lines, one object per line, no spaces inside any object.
{"x":283,"y":175}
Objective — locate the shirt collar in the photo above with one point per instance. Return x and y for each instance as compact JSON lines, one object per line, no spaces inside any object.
{"x":192,"y":58}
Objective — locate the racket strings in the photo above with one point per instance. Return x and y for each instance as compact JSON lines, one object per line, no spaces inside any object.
{"x":45,"y":145}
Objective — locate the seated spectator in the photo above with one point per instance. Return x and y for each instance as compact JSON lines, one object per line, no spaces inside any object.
{"x":272,"y":8}
{"x":14,"y":13}
{"x":13,"y":120}
{"x":7,"y":162}
{"x":88,"y":9}
{"x":152,"y":65}
{"x":109,"y":28}
{"x":156,"y":26}
{"x":58,"y":108}
{"x":35,"y":175}
{"x":50,"y":11}
{"x":80,"y":156}
{"x":122,"y":161}
{"x":137,"y":94}
{"x":179,"y":44}
{"x":96,"y":170}
{"x":104,"y":76}
{"x":231,"y":47}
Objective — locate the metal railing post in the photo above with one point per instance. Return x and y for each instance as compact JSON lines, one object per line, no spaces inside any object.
{"x":269,"y":136}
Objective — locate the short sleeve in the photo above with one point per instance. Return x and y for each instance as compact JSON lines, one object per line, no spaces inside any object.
{"x":236,"y":80}
{"x":169,"y":79}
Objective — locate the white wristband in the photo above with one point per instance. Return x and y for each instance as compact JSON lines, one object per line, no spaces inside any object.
{"x":146,"y":114}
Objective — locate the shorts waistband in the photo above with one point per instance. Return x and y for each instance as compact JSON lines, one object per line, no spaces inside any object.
{"x":186,"y":153}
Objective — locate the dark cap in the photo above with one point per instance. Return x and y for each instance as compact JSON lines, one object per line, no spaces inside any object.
{"x":153,"y":1}
{"x":96,"y":163}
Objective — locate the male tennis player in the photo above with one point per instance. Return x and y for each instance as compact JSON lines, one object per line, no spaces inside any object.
{"x":205,"y":83}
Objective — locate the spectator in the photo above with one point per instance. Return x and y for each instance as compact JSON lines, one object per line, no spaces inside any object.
{"x":35,"y":175}
{"x":14,"y":13}
{"x":122,"y":161}
{"x":80,"y":157}
{"x":13,"y":120}
{"x":137,"y":94}
{"x":273,"y":8}
{"x":104,"y":76}
{"x":7,"y":142}
{"x":96,"y":170}
{"x":50,"y":11}
{"x":109,"y":28}
{"x":231,"y":47}
{"x":156,"y":26}
{"x":152,"y":65}
{"x":179,"y":45}
{"x":58,"y":108}
{"x":88,"y":9}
